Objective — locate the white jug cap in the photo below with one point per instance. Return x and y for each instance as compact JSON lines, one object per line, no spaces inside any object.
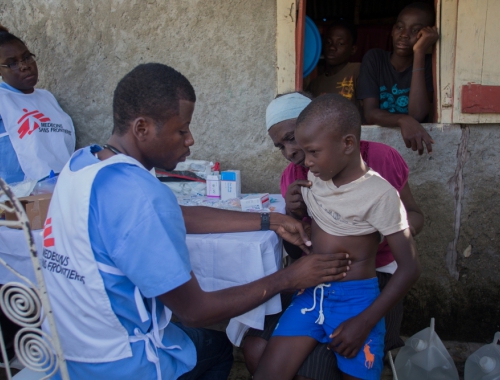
{"x":418,"y":344}
{"x":487,"y":364}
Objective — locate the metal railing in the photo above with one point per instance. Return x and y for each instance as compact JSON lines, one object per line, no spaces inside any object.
{"x":28,"y":306}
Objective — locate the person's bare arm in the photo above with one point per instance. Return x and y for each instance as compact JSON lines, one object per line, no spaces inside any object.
{"x":349,"y":337}
{"x":414,"y":213}
{"x":295,"y":205}
{"x":419,"y":104}
{"x":414,"y":135}
{"x":196,"y":308}
{"x":204,"y":220}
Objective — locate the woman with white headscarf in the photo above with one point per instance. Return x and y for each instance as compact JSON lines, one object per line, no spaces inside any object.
{"x":281,"y":116}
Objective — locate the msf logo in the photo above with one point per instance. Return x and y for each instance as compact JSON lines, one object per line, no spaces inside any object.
{"x":48,"y":238}
{"x":30,"y":121}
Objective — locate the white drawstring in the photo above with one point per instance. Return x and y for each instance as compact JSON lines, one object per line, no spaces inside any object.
{"x":321,"y":317}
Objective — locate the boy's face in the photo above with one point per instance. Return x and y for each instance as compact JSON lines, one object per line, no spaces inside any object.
{"x":405,"y":31}
{"x":323,"y":149}
{"x":338,"y":46}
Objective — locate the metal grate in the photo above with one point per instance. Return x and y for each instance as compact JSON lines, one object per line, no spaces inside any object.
{"x":28,"y":306}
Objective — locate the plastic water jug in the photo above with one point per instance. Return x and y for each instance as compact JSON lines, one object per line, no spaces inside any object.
{"x":484,"y":364}
{"x":425,"y":357}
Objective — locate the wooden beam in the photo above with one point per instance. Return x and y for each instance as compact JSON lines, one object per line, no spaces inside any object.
{"x":285,"y":46}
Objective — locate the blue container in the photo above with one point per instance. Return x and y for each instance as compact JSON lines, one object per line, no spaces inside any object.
{"x":312,"y":47}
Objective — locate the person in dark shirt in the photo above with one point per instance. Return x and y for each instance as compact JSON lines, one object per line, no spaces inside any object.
{"x":339,"y":76}
{"x":396,"y":87}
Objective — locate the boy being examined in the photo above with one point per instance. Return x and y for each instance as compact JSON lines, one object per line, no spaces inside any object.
{"x":340,"y":76}
{"x":396,"y":87}
{"x":352,"y":208}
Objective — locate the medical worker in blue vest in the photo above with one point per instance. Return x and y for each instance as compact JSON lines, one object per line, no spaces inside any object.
{"x":116,"y":262}
{"x":36,"y":135}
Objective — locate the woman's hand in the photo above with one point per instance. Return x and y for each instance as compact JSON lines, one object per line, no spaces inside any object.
{"x":295,"y":205}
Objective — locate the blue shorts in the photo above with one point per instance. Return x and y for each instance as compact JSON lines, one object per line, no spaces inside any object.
{"x":341,"y":301}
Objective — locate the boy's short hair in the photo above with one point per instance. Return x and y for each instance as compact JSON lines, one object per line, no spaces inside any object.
{"x":336,"y":111}
{"x":424,"y":7}
{"x":151,"y":90}
{"x":349,"y":26}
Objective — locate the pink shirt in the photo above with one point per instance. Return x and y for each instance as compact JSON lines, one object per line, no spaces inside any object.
{"x":381,"y":158}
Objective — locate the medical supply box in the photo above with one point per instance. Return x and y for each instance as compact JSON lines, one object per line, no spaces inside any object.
{"x":255,"y":202}
{"x":230,"y":184}
{"x":36,"y":207}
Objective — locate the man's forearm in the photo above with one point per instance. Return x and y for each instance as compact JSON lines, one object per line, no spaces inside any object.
{"x":383,"y":118}
{"x":418,"y":102}
{"x":204,"y":220}
{"x":231,"y":302}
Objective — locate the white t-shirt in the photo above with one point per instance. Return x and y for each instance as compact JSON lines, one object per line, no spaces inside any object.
{"x":361,"y":207}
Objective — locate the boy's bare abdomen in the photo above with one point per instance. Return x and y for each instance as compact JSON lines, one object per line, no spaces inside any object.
{"x":361,"y":249}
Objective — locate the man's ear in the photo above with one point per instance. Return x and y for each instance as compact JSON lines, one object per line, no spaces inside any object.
{"x":141,"y":128}
{"x":354,"y":49}
{"x":350,"y":143}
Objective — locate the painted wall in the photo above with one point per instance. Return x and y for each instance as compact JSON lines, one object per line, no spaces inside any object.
{"x":457,"y":189}
{"x":228,"y":51}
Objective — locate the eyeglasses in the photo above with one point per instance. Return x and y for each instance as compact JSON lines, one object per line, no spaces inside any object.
{"x":25,"y":61}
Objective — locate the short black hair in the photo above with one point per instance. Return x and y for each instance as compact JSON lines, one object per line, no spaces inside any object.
{"x":152,"y":90}
{"x":6,"y":37}
{"x":424,"y":7}
{"x":336,"y":112}
{"x":346,"y":24}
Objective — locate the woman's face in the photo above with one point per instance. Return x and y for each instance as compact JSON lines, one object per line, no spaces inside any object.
{"x":283,"y":136}
{"x":25,"y":76}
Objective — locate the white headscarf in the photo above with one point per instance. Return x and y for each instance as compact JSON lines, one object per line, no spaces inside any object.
{"x":285,"y":107}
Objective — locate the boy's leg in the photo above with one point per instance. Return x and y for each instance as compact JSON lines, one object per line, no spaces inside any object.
{"x":284,"y":356}
{"x":321,"y":364}
{"x":214,"y":354}
{"x":255,"y":341}
{"x":346,"y":300}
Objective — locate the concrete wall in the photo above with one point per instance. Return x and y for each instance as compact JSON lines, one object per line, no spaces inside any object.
{"x":457,"y":189}
{"x":227,"y":50}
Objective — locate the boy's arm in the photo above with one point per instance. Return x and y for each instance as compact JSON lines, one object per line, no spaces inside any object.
{"x":350,"y":336}
{"x":414,"y":135}
{"x":419,"y":103}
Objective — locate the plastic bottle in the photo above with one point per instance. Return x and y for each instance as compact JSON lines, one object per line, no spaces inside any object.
{"x":484,"y":364}
{"x":425,"y":357}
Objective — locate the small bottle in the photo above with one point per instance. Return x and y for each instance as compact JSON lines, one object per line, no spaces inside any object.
{"x":484,"y":364}
{"x":213,"y":185}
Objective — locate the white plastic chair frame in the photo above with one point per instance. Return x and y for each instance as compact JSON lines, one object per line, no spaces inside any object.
{"x":24,"y":305}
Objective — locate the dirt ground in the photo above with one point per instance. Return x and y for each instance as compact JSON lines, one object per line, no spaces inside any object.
{"x":459,"y":351}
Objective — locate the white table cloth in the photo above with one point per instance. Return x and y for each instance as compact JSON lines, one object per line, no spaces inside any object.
{"x":218,"y":260}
